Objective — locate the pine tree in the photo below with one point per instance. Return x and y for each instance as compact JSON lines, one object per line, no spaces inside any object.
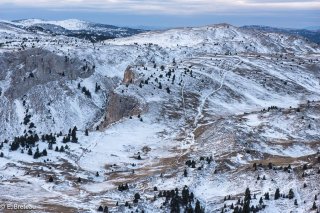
{"x":50,"y":179}
{"x":74,"y":138}
{"x":295,"y":202}
{"x":277,"y":194}
{"x":136,"y":198}
{"x":30,"y":151}
{"x":36,"y":154}
{"x":291,"y":194}
{"x":97,"y":87}
{"x":261,"y":201}
{"x":314,"y":206}
{"x":247,"y":198}
{"x":185,"y":173}
{"x":86,"y":132}
{"x":44,"y":152}
{"x":247,"y":195}
{"x":106,"y":210}
{"x":197,"y":208}
{"x":97,"y":174}
{"x":100,"y":209}
{"x":185,"y":195}
{"x":1,"y":155}
{"x":266,"y":196}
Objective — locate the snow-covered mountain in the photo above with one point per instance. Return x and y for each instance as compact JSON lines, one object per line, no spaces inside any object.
{"x":313,"y":34}
{"x":170,"y":120}
{"x":74,"y":28}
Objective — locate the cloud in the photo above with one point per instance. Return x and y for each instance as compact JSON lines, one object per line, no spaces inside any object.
{"x":179,"y":7}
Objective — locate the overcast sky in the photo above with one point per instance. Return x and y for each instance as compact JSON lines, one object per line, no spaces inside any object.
{"x":169,"y":13}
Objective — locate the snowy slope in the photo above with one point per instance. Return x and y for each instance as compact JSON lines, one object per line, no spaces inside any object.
{"x":69,"y":24}
{"x":150,"y":103}
{"x":73,"y":28}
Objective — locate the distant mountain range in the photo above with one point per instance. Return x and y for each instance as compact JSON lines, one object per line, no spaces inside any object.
{"x":312,"y":35}
{"x":74,"y":28}
{"x":99,"y":32}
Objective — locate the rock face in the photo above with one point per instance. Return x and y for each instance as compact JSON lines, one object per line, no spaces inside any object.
{"x":37,"y":66}
{"x":119,"y":107}
{"x":129,"y":76}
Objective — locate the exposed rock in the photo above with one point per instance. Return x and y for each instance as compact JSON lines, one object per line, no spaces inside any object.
{"x":119,"y":107}
{"x":129,"y":76}
{"x":36,"y":66}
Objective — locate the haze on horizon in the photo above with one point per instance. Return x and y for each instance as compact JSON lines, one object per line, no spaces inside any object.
{"x":169,"y":13}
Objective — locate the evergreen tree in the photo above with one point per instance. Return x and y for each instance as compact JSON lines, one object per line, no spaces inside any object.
{"x":36,"y":154}
{"x":185,"y":195}
{"x":74,"y":138}
{"x":97,"y":87}
{"x":247,"y":195}
{"x":50,"y":146}
{"x":100,"y":209}
{"x":314,"y":206}
{"x":50,"y":179}
{"x":291,"y":194}
{"x":261,"y":201}
{"x":136,"y":198}
{"x":266,"y":196}
{"x":185,"y":173}
{"x":106,"y":210}
{"x":30,"y":151}
{"x":86,"y":132}
{"x":44,"y":152}
{"x":277,"y":194}
{"x":1,"y":155}
{"x":247,"y":198}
